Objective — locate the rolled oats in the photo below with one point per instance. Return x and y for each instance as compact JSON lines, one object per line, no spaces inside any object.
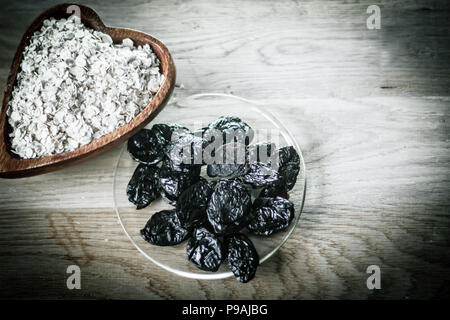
{"x":76,"y":85}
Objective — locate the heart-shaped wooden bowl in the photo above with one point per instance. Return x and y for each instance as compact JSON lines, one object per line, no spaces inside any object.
{"x":12,"y":166}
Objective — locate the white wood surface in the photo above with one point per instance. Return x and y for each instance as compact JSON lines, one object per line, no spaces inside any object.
{"x":370,"y":109}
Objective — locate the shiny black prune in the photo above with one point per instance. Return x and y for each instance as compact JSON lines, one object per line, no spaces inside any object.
{"x":261,"y":152}
{"x":143,"y":187}
{"x":205,"y":250}
{"x":144,"y":147}
{"x":148,"y":146}
{"x":275,"y":189}
{"x":172,"y":183}
{"x":166,"y":130}
{"x":242,"y":256}
{"x":270,"y":215}
{"x":185,"y":150}
{"x":192,"y":203}
{"x":180,"y":168}
{"x":260,"y":175}
{"x":229,"y":207}
{"x":232,"y":128}
{"x":289,"y":165}
{"x":164,"y":229}
{"x":231,"y":161}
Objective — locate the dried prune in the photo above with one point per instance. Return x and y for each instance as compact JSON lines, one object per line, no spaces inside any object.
{"x":165,"y":131}
{"x":231,"y":161}
{"x":143,"y":187}
{"x":275,"y":189}
{"x":243,"y":258}
{"x":289,"y":165}
{"x":172,"y":183}
{"x":205,"y":250}
{"x":260,"y":175}
{"x":261,"y":152}
{"x":270,"y":215}
{"x":185,"y":150}
{"x":229,"y":207}
{"x":164,"y":229}
{"x":148,"y":146}
{"x":145,"y":147}
{"x":192,"y":203}
{"x":232,"y":128}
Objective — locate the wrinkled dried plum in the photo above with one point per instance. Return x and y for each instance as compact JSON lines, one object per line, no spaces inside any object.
{"x":172,"y":183}
{"x":205,"y":250}
{"x":289,"y":165}
{"x":231,"y":161}
{"x":185,"y":150}
{"x":270,"y":215}
{"x":261,"y":152}
{"x":144,"y":147}
{"x":229,"y":207}
{"x":163,"y":229}
{"x":143,"y":187}
{"x":260,"y":175}
{"x":288,"y":169}
{"x":275,"y":189}
{"x":243,"y":258}
{"x":148,"y":146}
{"x":166,"y":130}
{"x":180,"y":168}
{"x":192,"y":203}
{"x":232,"y":128}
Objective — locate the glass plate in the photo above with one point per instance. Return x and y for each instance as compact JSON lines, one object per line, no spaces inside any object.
{"x":194,"y":112}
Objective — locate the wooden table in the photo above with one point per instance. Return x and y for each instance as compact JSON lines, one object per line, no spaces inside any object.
{"x":370,"y":109}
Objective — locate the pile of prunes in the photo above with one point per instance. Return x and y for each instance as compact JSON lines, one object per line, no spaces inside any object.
{"x":213,"y":209}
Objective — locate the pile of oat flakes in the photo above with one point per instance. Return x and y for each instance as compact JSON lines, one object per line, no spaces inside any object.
{"x":75,"y":86}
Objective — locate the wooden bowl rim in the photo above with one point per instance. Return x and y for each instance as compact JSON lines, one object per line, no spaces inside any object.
{"x":12,"y":166}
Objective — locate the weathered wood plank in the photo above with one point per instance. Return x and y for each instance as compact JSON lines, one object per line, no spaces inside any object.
{"x":283,"y":48}
{"x":378,"y":159}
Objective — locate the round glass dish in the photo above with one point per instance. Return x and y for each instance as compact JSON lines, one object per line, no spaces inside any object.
{"x":195,"y":112}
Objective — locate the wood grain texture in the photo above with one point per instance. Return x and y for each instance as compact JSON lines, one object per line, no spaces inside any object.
{"x":12,"y":166}
{"x":369,"y":108}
